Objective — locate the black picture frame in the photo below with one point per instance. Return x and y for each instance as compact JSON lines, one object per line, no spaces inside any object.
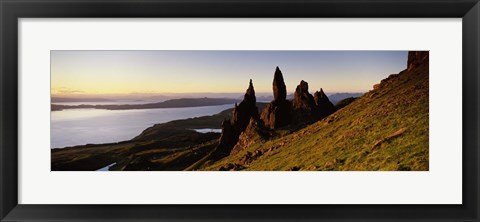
{"x":12,"y":10}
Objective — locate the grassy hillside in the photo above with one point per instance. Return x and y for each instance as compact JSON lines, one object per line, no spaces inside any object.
{"x":385,"y":129}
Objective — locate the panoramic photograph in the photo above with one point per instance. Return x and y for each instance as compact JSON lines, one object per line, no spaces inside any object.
{"x":239,"y":110}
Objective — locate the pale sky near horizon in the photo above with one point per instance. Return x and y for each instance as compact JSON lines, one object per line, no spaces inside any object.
{"x":125,"y":72}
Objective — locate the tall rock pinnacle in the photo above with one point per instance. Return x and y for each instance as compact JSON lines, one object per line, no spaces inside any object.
{"x":278,"y":112}
{"x":250,"y":93}
{"x":279,"y":88}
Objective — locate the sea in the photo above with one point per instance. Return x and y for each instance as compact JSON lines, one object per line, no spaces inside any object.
{"x":73,"y":127}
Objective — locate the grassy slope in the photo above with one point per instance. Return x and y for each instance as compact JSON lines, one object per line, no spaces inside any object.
{"x":139,"y":154}
{"x":385,"y":129}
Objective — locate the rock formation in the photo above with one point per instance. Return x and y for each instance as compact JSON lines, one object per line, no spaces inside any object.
{"x":245,"y":110}
{"x":303,"y":105}
{"x":416,"y":58}
{"x":278,"y":112}
{"x":227,"y":139}
{"x":254,"y":132}
{"x":231,"y":130}
{"x":279,"y":87}
{"x":324,"y":106}
{"x":246,"y":123}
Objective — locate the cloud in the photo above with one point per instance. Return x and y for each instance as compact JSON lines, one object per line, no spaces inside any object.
{"x":71,"y":91}
{"x":65,"y":90}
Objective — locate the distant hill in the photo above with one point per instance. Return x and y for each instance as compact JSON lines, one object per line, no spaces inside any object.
{"x":337,"y":97}
{"x":173,"y":103}
{"x":66,"y":99}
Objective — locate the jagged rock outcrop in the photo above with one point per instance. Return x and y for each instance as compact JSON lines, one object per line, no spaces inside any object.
{"x":254,"y":132}
{"x":231,"y":130}
{"x":324,"y":106}
{"x":303,"y":105}
{"x":278,"y":112}
{"x":416,"y":58}
{"x":303,"y":109}
{"x":246,"y":123}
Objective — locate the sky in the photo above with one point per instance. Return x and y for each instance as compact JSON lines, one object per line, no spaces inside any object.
{"x":82,"y":73}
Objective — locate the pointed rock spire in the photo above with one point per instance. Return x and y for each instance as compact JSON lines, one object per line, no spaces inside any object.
{"x":241,"y":115}
{"x":278,"y":112}
{"x":321,"y":94}
{"x":245,"y":110}
{"x":323,"y":105}
{"x":250,"y":93}
{"x":279,"y":88}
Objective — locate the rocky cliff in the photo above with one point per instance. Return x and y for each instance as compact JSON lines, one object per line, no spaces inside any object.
{"x":416,"y":58}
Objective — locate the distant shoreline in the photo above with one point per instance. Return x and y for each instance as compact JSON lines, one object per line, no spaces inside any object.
{"x":173,"y":103}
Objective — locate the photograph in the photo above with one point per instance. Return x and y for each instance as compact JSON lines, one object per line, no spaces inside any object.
{"x":281,"y":110}
{"x":239,"y":110}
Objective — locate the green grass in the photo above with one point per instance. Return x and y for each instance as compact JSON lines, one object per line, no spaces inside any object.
{"x":345,"y":140}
